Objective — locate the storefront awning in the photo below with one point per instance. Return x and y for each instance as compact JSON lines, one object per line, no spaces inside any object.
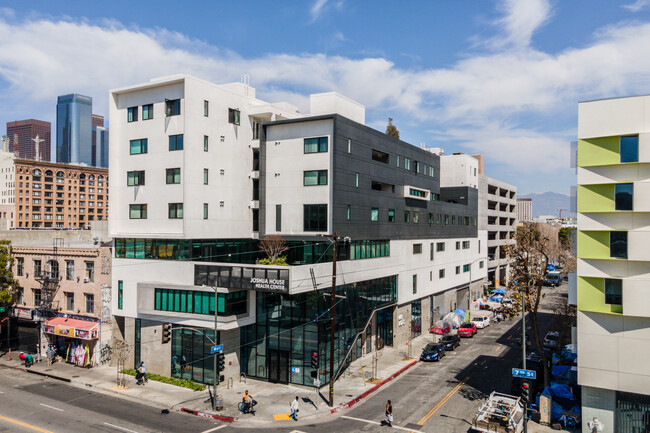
{"x":72,"y":328}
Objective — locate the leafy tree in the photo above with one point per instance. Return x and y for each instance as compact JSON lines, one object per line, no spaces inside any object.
{"x":565,"y":237}
{"x":392,"y":129}
{"x":8,"y":284}
{"x":537,"y":245}
{"x":273,"y":246}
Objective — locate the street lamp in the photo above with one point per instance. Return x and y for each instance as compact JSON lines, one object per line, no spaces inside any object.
{"x":215,"y":372}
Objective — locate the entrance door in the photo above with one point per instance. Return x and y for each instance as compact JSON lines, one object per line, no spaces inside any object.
{"x":278,"y":366}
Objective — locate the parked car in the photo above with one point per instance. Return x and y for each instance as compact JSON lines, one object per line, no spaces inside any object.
{"x":467,"y":330}
{"x":433,"y":352}
{"x":553,"y":279}
{"x":450,"y":341}
{"x":441,"y":327}
{"x":552,"y":340}
{"x":481,"y":322}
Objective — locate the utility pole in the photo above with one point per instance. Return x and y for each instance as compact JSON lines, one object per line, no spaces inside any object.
{"x":523,"y":351}
{"x":333,"y":320}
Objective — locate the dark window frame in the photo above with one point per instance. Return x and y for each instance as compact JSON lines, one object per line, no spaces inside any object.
{"x":135,"y":178}
{"x":171,"y":174}
{"x":175,"y":142}
{"x":321,"y":176}
{"x":132,"y":114}
{"x":140,"y":145}
{"x":141,"y":209}
{"x":172,"y":107}
{"x":148,"y":111}
{"x":175,"y":211}
{"x":321,"y":144}
{"x":320,"y":224}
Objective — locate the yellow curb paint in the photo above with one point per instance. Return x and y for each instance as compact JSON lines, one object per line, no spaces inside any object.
{"x":497,"y":349}
{"x":282,"y":417}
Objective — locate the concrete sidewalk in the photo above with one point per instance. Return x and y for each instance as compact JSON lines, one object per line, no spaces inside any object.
{"x":273,"y":400}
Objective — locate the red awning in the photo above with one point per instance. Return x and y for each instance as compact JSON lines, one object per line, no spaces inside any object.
{"x":74,"y":328}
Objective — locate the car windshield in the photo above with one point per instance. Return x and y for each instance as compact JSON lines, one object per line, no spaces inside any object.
{"x":431,"y":347}
{"x":478,"y":319}
{"x":466,"y":325}
{"x":447,"y":338}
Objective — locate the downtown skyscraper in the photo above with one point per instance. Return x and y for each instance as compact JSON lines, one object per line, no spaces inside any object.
{"x":74,"y":129}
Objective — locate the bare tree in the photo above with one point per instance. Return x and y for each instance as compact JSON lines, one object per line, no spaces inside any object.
{"x":273,"y":246}
{"x":536,"y":247}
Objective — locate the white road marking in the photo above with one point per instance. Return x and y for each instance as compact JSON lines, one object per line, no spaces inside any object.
{"x":52,"y":407}
{"x":215,"y":429}
{"x":378,"y":423}
{"x":120,"y":428}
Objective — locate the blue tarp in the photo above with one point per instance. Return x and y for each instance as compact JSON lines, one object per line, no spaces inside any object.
{"x":496,"y":298}
{"x":460,"y":312}
{"x":499,"y":291}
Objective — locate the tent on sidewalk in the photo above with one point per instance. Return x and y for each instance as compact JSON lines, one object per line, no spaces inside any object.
{"x":454,"y":318}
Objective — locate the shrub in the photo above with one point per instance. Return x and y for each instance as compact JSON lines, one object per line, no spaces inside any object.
{"x":185,"y":383}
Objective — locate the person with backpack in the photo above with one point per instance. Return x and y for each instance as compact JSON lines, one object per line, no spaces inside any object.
{"x":142,"y":373}
{"x":389,"y":414}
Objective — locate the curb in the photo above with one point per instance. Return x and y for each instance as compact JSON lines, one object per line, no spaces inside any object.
{"x":40,"y":373}
{"x":207,"y":415}
{"x":374,"y":388}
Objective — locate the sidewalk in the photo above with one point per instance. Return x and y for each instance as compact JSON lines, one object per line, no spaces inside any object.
{"x":273,"y":399}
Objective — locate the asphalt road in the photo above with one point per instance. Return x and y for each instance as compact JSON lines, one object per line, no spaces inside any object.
{"x":430,"y":397}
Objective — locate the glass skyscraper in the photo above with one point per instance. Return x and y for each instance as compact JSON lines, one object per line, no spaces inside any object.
{"x":74,"y":129}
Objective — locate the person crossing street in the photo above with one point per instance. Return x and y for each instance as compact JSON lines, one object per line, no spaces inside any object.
{"x":294,"y":409}
{"x":389,"y":414}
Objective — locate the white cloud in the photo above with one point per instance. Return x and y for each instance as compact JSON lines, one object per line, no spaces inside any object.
{"x":507,"y":103}
{"x":637,"y":5}
{"x":317,"y":9}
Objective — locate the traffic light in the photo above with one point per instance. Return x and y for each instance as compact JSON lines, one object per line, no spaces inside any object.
{"x":167,"y":332}
{"x":314,"y":360}
{"x":525,"y":392}
{"x":221,"y":362}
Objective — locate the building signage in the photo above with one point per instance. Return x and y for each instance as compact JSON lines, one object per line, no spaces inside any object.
{"x":23,"y":313}
{"x":270,"y":284}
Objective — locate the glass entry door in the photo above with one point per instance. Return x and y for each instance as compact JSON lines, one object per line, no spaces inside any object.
{"x":278,"y":366}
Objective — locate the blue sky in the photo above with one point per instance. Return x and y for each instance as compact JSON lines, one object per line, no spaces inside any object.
{"x":501,"y":77}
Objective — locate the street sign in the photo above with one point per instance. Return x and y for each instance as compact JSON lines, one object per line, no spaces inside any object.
{"x":526,"y":374}
{"x":216,"y":349}
{"x":317,"y":383}
{"x":2,"y":309}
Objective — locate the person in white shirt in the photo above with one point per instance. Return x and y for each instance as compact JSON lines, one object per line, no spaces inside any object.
{"x":294,"y":409}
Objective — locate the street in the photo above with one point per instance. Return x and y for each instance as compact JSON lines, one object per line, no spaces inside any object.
{"x":439,"y":397}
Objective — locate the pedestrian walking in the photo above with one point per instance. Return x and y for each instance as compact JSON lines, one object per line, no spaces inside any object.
{"x":389,"y":414}
{"x":294,"y":409}
{"x":142,"y":369}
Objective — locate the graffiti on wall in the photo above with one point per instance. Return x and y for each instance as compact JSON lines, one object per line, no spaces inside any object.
{"x":106,"y":303}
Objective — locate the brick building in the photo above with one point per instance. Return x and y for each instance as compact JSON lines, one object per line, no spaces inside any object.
{"x":22,"y":134}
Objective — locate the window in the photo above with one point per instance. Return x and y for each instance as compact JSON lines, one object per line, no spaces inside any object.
{"x":391,"y":215}
{"x":20,"y":266}
{"x":206,"y":108}
{"x":69,"y":301}
{"x":416,"y":217}
{"x":205,"y":176}
{"x":37,"y":297}
{"x":417,"y":248}
{"x":173,"y":175}
{"x":90,"y":272}
{"x":481,"y":264}
{"x":138,"y":146}
{"x":37,"y":268}
{"x":132,"y":114}
{"x":417,"y":193}
{"x":629,"y":148}
{"x":407,"y":216}
{"x":233,"y":116}
{"x":457,"y":269}
{"x":457,"y":245}
{"x":415,"y":284}
{"x":315,"y":145}
{"x":441,"y":273}
{"x":349,"y":146}
{"x":315,"y":177}
{"x":175,"y":210}
{"x":407,"y":164}
{"x":138,"y":211}
{"x":315,"y":217}
{"x":624,"y":196}
{"x":172,"y":107}
{"x":147,"y":112}
{"x":446,"y":219}
{"x":90,"y":302}
{"x":69,"y":269}
{"x":134,"y":178}
{"x":120,"y":294}
{"x":205,"y":211}
{"x":205,"y":143}
{"x":431,"y":250}
{"x":278,"y":218}
{"x":379,"y":156}
{"x":613,"y":291}
{"x":374,"y":214}
{"x":466,"y":268}
{"x":417,"y":166}
{"x":618,"y":245}
{"x":176,"y":142}
{"x":465,"y":245}
{"x":349,"y":213}
{"x":397,"y":160}
{"x":356,"y":180}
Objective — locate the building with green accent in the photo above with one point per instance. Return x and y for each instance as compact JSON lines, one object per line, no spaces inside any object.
{"x":613,"y":272}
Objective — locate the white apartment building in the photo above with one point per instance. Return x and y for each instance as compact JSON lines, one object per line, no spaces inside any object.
{"x":203,"y":172}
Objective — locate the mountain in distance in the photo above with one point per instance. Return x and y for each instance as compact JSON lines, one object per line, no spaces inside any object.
{"x":549,"y":202}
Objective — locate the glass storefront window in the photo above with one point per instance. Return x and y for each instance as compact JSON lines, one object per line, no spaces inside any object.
{"x":191,"y":358}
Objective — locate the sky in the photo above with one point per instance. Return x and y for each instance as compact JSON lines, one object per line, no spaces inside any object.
{"x":500,"y":78}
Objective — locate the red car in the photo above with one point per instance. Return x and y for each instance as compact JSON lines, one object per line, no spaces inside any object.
{"x":441,"y":327}
{"x":467,"y":330}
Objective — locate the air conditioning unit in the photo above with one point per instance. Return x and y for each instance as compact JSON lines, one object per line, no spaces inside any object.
{"x":86,"y":280}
